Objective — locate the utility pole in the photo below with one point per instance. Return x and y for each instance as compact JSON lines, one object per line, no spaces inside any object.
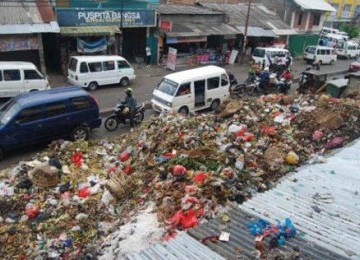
{"x":121,"y":28}
{"x":246,"y":28}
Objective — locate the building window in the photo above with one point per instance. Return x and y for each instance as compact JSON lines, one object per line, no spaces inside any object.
{"x":316,"y":20}
{"x":357,"y":10}
{"x":300,"y":19}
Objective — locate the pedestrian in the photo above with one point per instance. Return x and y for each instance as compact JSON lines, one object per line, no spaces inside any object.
{"x":148,"y":56}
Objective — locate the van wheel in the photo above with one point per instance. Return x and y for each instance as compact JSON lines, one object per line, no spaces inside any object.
{"x":92,"y":86}
{"x":2,"y":154}
{"x":215,"y":105}
{"x":124,"y":82}
{"x":34,"y":90}
{"x":183,"y":110}
{"x":80,"y":133}
{"x":331,"y":62}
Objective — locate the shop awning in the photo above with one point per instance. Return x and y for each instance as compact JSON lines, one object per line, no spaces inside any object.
{"x":198,"y":29}
{"x":89,"y":30}
{"x":285,"y":31}
{"x":257,"y":32}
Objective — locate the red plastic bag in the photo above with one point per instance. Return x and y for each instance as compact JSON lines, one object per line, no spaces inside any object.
{"x":248,"y":137}
{"x":317,"y":135}
{"x":84,"y":192}
{"x":269,"y":130}
{"x":32,"y":211}
{"x":179,"y":170}
{"x":124,"y":156}
{"x":77,"y":159}
{"x":200,"y":177}
{"x":189,"y":219}
{"x":128,"y":169}
{"x":336,"y":142}
{"x":191,"y":189}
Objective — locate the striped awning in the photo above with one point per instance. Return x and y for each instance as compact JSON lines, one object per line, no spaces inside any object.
{"x":89,"y":30}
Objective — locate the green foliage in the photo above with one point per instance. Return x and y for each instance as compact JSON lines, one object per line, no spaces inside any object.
{"x":352,"y":30}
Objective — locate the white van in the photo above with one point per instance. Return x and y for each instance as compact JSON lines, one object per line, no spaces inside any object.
{"x":332,"y":40}
{"x":348,"y":49}
{"x":18,"y":77}
{"x":192,"y":90}
{"x":93,"y":71}
{"x":325,"y":55}
{"x":264,"y":54}
{"x":326,"y":30}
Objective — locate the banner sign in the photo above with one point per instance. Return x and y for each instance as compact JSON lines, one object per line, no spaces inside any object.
{"x":19,"y":43}
{"x":171,"y":61}
{"x":170,"y":40}
{"x":166,"y":26}
{"x":104,"y":17}
{"x":91,"y":47}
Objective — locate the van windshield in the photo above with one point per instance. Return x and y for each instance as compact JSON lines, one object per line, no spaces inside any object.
{"x":311,"y":50}
{"x":72,"y":64}
{"x":8,"y":111}
{"x":259,"y":53}
{"x":168,"y":86}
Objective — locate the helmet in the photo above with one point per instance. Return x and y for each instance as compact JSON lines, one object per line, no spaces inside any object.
{"x":129,"y":90}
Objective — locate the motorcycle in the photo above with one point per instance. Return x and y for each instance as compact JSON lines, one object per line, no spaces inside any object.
{"x":112,"y":122}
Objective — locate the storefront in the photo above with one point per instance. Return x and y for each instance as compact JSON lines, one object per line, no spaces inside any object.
{"x":203,"y":38}
{"x":94,"y":32}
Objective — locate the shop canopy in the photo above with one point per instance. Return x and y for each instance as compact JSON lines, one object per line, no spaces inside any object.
{"x":257,"y":32}
{"x":198,"y":29}
{"x":89,"y":30}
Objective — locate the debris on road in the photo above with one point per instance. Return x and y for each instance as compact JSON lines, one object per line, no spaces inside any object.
{"x":68,"y":201}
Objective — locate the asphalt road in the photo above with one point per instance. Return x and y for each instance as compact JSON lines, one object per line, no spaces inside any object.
{"x":143,"y":85}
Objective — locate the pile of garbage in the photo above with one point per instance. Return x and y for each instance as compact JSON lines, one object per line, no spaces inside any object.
{"x":65,"y":202}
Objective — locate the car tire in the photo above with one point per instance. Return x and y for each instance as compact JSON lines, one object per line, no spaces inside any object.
{"x":80,"y":133}
{"x":215,"y":105}
{"x":124,"y":82}
{"x":183,"y":110}
{"x":92,"y":86}
{"x":33,"y":90}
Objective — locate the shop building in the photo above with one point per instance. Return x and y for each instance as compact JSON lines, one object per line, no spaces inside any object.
{"x":104,"y":27}
{"x":197,"y":33}
{"x":28,"y":31}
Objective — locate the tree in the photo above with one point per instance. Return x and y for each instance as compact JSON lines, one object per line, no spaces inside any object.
{"x":352,"y":30}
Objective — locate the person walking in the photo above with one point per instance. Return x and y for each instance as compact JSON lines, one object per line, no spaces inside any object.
{"x":148,"y":56}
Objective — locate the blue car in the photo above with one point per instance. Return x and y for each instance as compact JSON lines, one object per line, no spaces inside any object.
{"x":43,"y":116}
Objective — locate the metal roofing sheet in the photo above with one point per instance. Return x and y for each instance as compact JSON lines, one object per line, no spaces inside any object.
{"x":257,"y":31}
{"x":319,"y":5}
{"x":184,"y":9}
{"x":323,"y":202}
{"x":259,"y":15}
{"x":51,"y":27}
{"x":182,"y":246}
{"x":89,"y":30}
{"x":198,"y":29}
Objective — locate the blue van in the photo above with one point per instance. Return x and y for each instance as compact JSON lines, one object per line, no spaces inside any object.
{"x":42,"y":116}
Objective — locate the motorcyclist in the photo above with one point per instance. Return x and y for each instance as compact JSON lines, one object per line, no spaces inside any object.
{"x":285,"y":82}
{"x":264,"y":79}
{"x":129,"y":106}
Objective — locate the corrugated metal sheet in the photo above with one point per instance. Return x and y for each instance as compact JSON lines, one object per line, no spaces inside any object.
{"x":24,"y":17}
{"x":323,"y":201}
{"x":241,"y":244}
{"x":259,"y":15}
{"x":184,"y":9}
{"x":89,"y":30}
{"x":319,"y":5}
{"x":51,"y":27}
{"x":257,"y":31}
{"x":181,"y":247}
{"x":198,"y":29}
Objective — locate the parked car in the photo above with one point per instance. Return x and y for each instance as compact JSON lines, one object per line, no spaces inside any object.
{"x":93,"y":71}
{"x":42,"y":116}
{"x":355,"y":66}
{"x":264,"y":55}
{"x":17,"y":77}
{"x":325,"y":55}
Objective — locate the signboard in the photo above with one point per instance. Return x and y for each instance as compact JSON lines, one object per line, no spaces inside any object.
{"x":19,"y":43}
{"x":170,"y":40}
{"x":171,"y":61}
{"x":233,"y":55}
{"x":166,"y":26}
{"x":103,"y":17}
